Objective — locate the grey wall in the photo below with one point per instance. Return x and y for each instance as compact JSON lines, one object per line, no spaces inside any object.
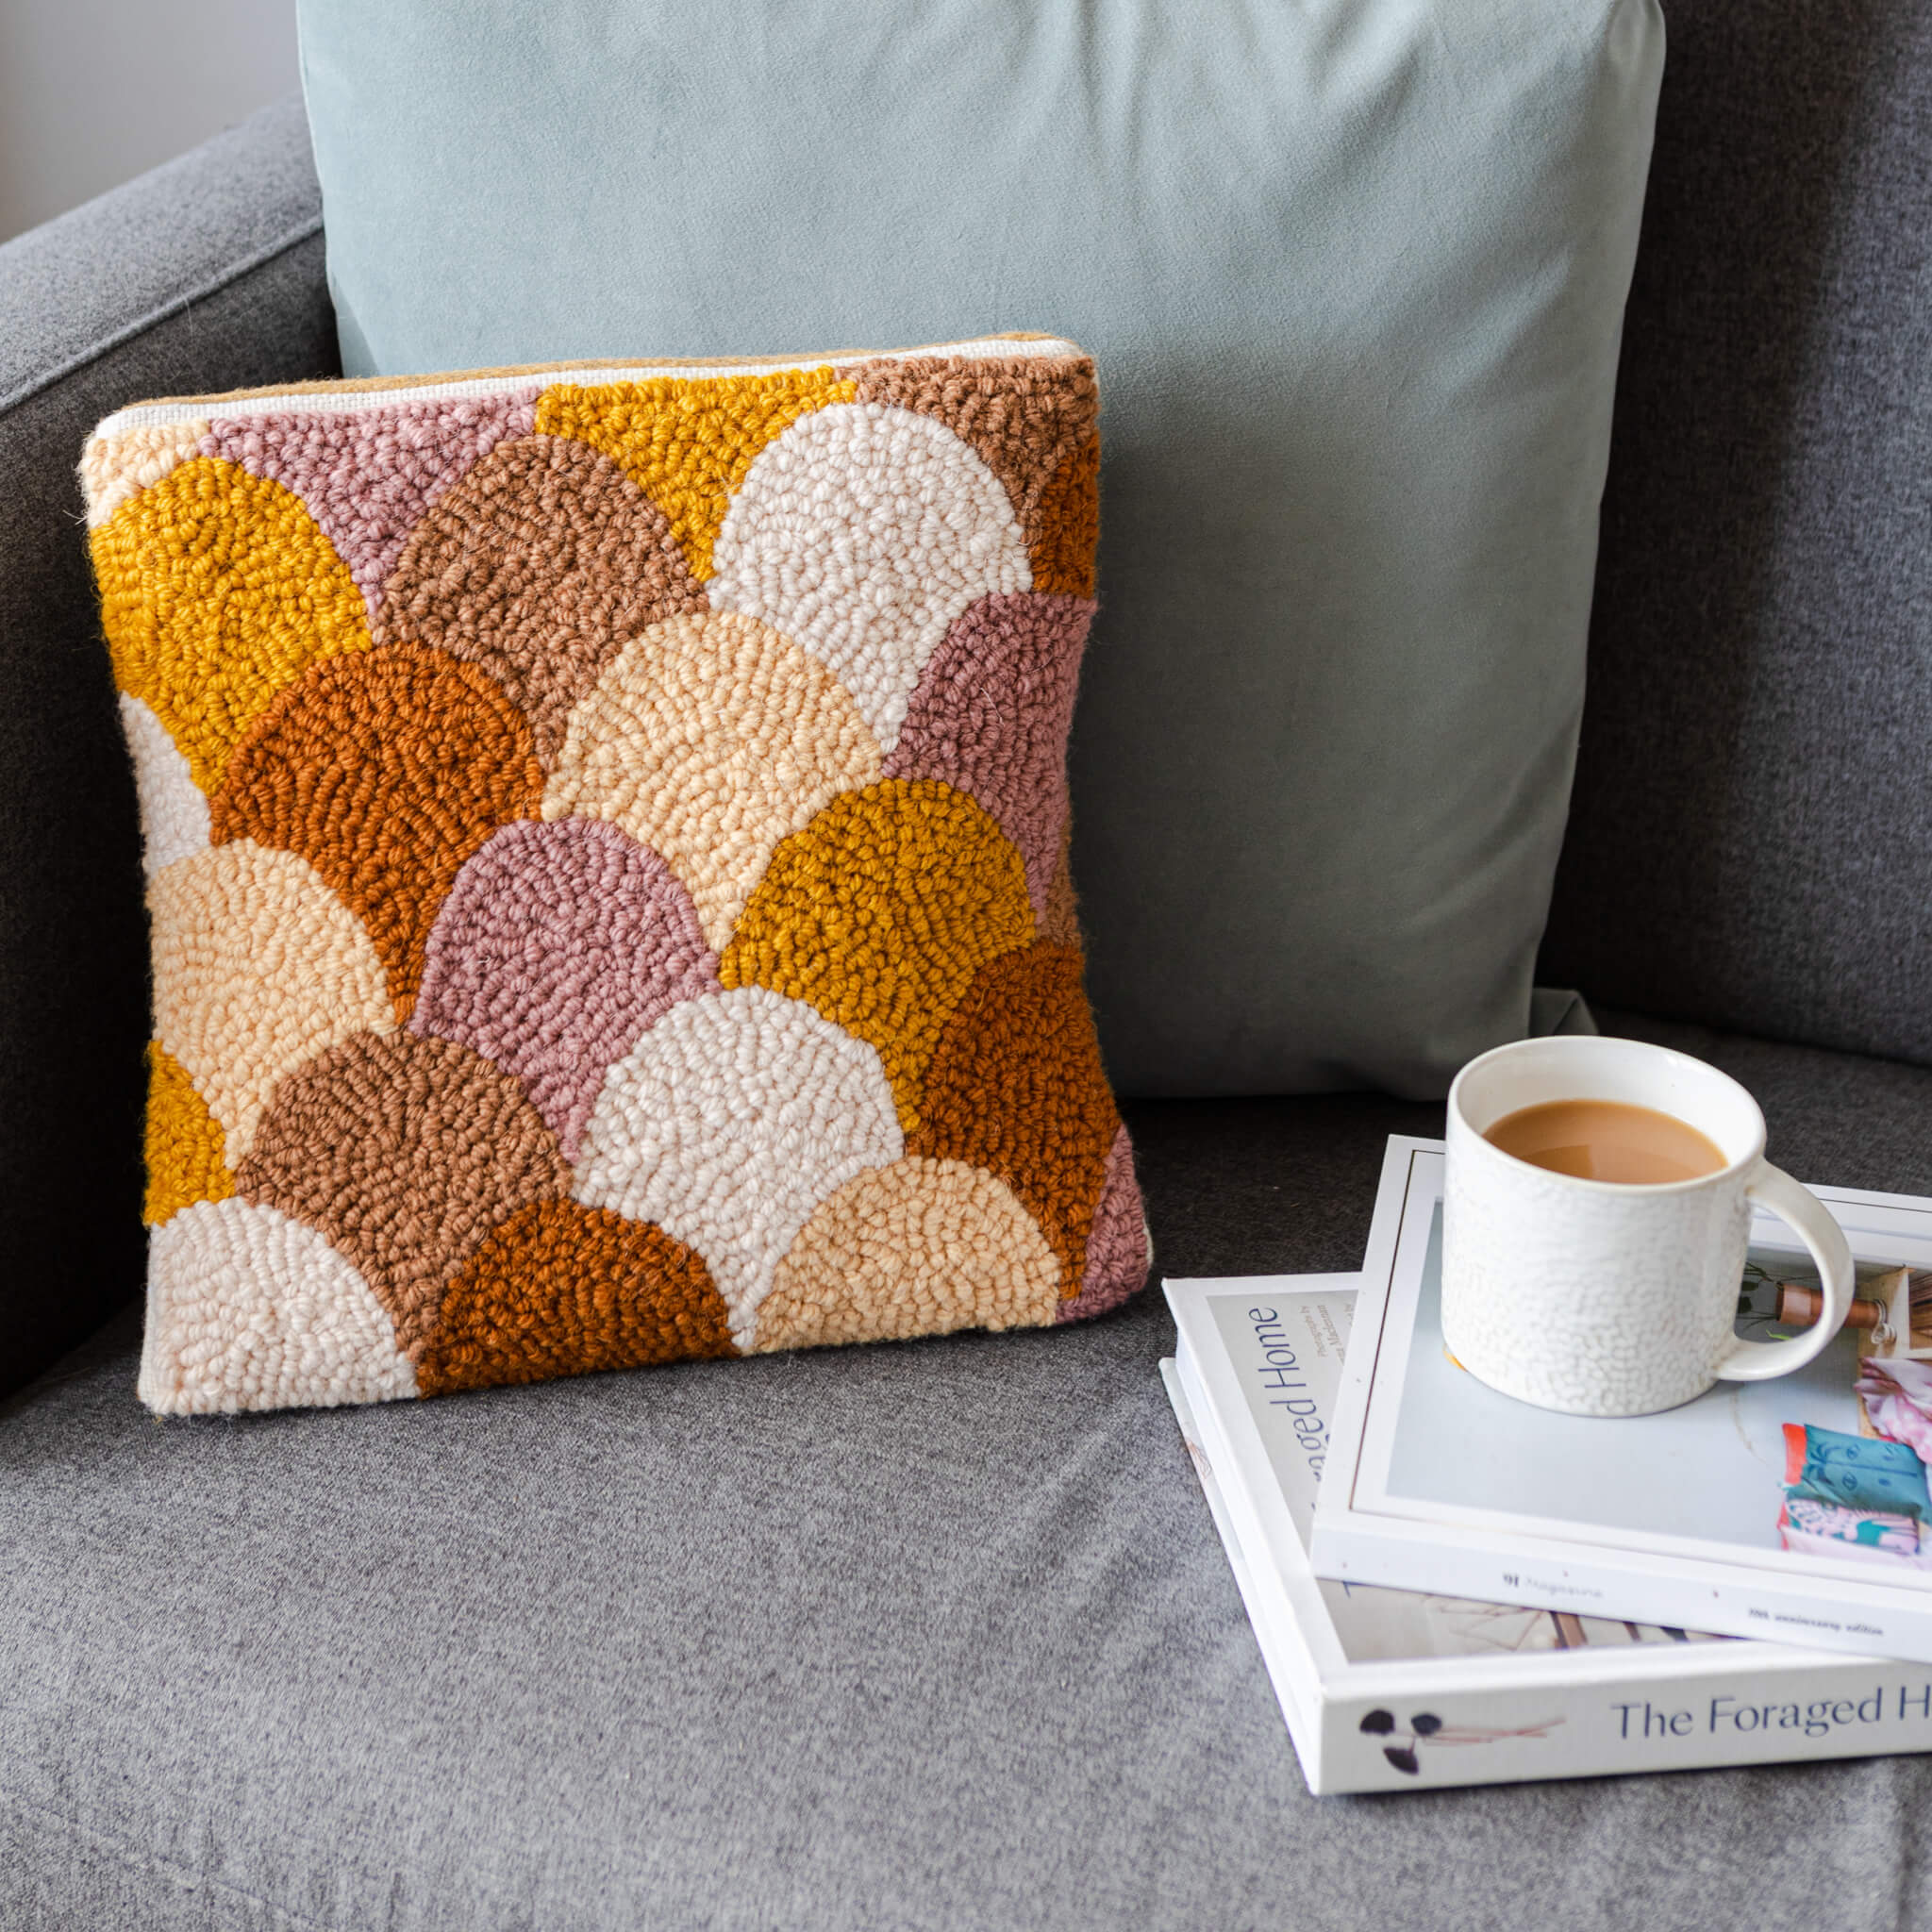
{"x":95,"y":91}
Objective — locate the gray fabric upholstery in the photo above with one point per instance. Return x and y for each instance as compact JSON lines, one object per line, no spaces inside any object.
{"x":928,"y":1635}
{"x":206,"y":274}
{"x":1750,"y":839}
{"x":79,"y":286}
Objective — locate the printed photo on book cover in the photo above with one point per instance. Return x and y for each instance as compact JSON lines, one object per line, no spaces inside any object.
{"x":1829,"y":1462}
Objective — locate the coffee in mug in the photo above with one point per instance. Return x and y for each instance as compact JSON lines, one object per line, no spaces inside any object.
{"x":1614,"y":1290}
{"x":1606,"y":1141}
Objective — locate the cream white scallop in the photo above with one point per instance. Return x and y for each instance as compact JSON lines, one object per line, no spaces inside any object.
{"x":113,"y":468}
{"x":249,"y":1310}
{"x":728,"y":1123}
{"x":861,"y":533}
{"x":174,"y":812}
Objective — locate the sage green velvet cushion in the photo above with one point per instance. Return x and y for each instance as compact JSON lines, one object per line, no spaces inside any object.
{"x":1353,"y":275}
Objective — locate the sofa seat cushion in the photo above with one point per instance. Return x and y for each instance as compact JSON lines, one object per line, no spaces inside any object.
{"x":926,"y":1634}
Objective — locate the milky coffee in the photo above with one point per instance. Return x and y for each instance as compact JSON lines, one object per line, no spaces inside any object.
{"x":1606,"y":1141}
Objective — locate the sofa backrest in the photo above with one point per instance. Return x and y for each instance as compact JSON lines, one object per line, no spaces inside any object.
{"x":1750,"y":842}
{"x":1751,"y":837}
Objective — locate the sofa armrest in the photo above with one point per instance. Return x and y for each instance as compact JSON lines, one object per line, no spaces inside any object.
{"x":205,"y":275}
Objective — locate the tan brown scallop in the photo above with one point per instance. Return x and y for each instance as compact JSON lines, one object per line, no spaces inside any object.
{"x":921,"y":1247}
{"x":563,"y":1289}
{"x":404,"y":1153}
{"x":538,"y":566}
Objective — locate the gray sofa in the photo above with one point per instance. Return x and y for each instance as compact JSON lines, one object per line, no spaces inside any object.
{"x":939,"y":1634}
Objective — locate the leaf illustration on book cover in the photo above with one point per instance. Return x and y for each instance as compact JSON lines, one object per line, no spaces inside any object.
{"x":1425,"y":1728}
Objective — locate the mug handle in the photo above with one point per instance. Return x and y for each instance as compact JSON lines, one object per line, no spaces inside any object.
{"x":1759,"y":1361}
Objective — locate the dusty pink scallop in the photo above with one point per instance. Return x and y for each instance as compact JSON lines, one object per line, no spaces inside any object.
{"x":1117,"y":1248}
{"x":559,"y":947}
{"x":368,"y":477}
{"x":990,"y":715}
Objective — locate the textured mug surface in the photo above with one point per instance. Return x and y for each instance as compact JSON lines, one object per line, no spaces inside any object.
{"x":1602,"y":1298}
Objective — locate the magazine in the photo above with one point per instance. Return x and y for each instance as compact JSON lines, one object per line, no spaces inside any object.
{"x":1796,"y":1508}
{"x":1390,"y":1689}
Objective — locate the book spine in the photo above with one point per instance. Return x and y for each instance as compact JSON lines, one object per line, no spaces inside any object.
{"x":1424,"y":1741}
{"x":1283,"y":1655}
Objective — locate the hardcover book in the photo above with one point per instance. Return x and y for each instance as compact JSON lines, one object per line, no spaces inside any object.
{"x":1794,"y":1509}
{"x":1394,"y":1689}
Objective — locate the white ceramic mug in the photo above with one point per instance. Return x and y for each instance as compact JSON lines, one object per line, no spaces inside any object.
{"x":1601,"y":1298}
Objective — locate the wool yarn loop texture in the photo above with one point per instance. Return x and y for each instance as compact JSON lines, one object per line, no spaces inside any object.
{"x":606,"y":832}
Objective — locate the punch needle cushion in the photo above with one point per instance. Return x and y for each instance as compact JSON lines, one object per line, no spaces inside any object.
{"x":606,"y":832}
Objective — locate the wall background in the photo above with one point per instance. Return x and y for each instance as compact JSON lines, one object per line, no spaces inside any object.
{"x":92,"y":91}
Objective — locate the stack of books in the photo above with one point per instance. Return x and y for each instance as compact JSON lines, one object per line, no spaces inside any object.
{"x":1453,"y":1587}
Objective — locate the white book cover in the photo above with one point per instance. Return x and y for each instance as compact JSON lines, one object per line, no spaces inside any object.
{"x":1390,"y":1689}
{"x":1797,"y":1509}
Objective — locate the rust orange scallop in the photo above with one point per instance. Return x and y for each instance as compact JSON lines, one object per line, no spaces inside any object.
{"x":1066,"y":530}
{"x":1016,"y":1087}
{"x":563,"y":1289}
{"x":385,"y":772}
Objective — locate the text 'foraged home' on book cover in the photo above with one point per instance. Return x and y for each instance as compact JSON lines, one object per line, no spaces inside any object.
{"x":1390,"y":1689}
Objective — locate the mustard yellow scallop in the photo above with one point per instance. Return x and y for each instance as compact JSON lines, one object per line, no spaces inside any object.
{"x":187,"y":1155}
{"x":688,"y":442}
{"x":217,"y":590}
{"x":879,"y":913}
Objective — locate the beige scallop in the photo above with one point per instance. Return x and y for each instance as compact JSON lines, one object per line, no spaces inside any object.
{"x":259,"y":967}
{"x":113,"y":468}
{"x":917,"y":1248}
{"x":247,"y":1308}
{"x":710,"y":739}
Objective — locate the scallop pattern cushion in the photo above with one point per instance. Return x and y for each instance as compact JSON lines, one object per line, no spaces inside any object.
{"x":606,"y":844}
